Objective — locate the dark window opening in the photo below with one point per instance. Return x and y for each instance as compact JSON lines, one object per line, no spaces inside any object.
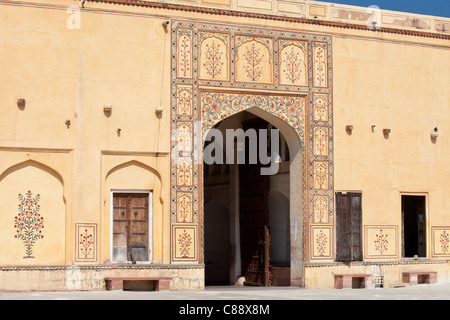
{"x":414,"y":226}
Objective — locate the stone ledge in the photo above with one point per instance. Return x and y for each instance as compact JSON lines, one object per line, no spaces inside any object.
{"x":371,"y":263}
{"x":102,"y":267}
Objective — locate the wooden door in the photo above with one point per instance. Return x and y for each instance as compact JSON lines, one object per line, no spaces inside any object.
{"x":254,"y":224}
{"x":130,"y":227}
{"x":348,"y":227}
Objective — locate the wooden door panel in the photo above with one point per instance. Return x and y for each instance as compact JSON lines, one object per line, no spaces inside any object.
{"x":138,"y":243}
{"x":130,"y":227}
{"x":120,"y":226}
{"x":348,"y":227}
{"x":356,"y":254}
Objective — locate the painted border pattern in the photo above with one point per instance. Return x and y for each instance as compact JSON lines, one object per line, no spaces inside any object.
{"x":381,"y":242}
{"x":321,"y":242}
{"x":186,"y":200}
{"x":440,"y":241}
{"x":86,"y":242}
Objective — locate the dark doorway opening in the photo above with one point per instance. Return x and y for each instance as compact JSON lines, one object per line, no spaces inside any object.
{"x":247,"y":215}
{"x":414,"y":226}
{"x":254,"y":217}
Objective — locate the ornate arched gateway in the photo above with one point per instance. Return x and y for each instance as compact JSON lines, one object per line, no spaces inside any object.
{"x":220,"y":70}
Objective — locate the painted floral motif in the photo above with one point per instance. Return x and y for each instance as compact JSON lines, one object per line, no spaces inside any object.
{"x":292,"y":65}
{"x":184,"y":138}
{"x":319,"y":66}
{"x":184,"y":209}
{"x":185,"y":241}
{"x":320,"y":141}
{"x":253,"y":66}
{"x":184,"y":174}
{"x":217,"y":106}
{"x":444,"y":240}
{"x":29,"y":222}
{"x":320,"y":175}
{"x":321,"y":243}
{"x":184,"y":101}
{"x":381,"y":242}
{"x":86,"y":243}
{"x":320,"y":109}
{"x":320,"y":209}
{"x":184,"y":54}
{"x":213,"y":59}
{"x":265,"y":60}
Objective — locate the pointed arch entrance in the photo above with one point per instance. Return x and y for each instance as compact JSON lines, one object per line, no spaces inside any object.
{"x":301,"y":99}
{"x":237,"y":201}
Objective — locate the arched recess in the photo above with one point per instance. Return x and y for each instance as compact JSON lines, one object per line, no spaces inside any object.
{"x":34,"y":193}
{"x":144,"y":166}
{"x":296,"y":188}
{"x":135,"y":177}
{"x":38,"y":165}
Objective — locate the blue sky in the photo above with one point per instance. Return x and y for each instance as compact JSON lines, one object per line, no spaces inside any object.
{"x":430,"y":7}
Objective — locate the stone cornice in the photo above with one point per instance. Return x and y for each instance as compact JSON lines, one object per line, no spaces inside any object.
{"x":276,"y":17}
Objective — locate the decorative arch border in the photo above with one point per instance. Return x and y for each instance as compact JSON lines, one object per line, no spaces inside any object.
{"x":141,"y":165}
{"x":218,"y":105}
{"x":41,"y":166}
{"x":158,"y":203}
{"x":56,"y":175}
{"x":306,"y":108}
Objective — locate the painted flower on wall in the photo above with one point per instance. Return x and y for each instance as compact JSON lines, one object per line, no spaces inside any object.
{"x":381,"y":242}
{"x":254,"y":62}
{"x":29,"y":222}
{"x":321,"y":243}
{"x":292,"y":65}
{"x":213,"y":60}
{"x":86,"y":243}
{"x":444,"y":240}
{"x":184,"y":242}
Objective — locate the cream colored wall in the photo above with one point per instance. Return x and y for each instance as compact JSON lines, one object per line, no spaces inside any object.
{"x":72,"y":74}
{"x":42,"y":183}
{"x":63,"y":73}
{"x":92,"y":278}
{"x":322,"y":276}
{"x":122,"y":57}
{"x":404,"y":87}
